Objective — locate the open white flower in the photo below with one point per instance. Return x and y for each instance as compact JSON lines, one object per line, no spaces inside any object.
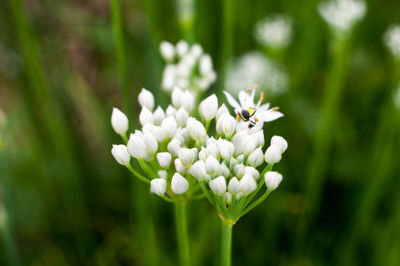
{"x":255,"y":114}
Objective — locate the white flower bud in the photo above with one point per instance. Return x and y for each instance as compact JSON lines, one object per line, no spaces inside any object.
{"x":196,"y":129}
{"x":150,"y":142}
{"x":248,"y":170}
{"x":198,"y":170}
{"x":203,"y":154}
{"x":167,"y":50}
{"x":187,"y":156}
{"x":232,"y":163}
{"x":208,"y":107}
{"x":168,"y":78}
{"x":180,"y":168}
{"x":205,"y":64}
{"x":136,"y":147}
{"x":196,"y":50}
{"x":158,"y":132}
{"x":221,"y":110}
{"x":164,"y":159}
{"x":146,"y":116}
{"x":188,"y":98}
{"x":272,"y":154}
{"x":169,"y":126}
{"x":259,"y":135}
{"x":280,"y":143}
{"x":224,"y":170}
{"x":212,"y":166}
{"x":239,"y":170}
{"x":226,"y":125}
{"x":218,"y":185}
{"x":240,"y":158}
{"x":170,"y":110}
{"x":228,"y":197}
{"x":182,"y":48}
{"x":181,"y":116}
{"x":158,"y":186}
{"x":272,"y":179}
{"x":225,"y":149}
{"x":174,"y":146}
{"x":158,"y":115}
{"x":162,"y":174}
{"x":212,"y":149}
{"x":179,"y":184}
{"x":247,"y":184}
{"x":119,"y":121}
{"x":176,"y":97}
{"x":256,"y":158}
{"x":234,"y":186}
{"x":146,"y":99}
{"x":248,"y":145}
{"x":120,"y":153}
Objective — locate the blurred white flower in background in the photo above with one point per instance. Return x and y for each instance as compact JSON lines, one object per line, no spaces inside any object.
{"x":187,"y":67}
{"x":392,"y":40}
{"x":342,"y":15}
{"x":275,"y":31}
{"x":255,"y":68}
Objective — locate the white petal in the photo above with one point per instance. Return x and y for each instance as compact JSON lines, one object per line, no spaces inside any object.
{"x":232,"y":100}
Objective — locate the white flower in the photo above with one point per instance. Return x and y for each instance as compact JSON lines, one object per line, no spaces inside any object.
{"x":256,"y":68}
{"x":221,"y":110}
{"x":169,"y":126}
{"x":280,"y":143}
{"x":247,"y":184}
{"x":170,"y":110}
{"x":203,"y":154}
{"x":248,"y":170}
{"x":146,"y":99}
{"x":180,"y":168}
{"x":158,"y":132}
{"x":228,"y":197}
{"x":179,"y":184}
{"x":162,"y":174}
{"x":259,"y":135}
{"x":261,"y":113}
{"x":158,"y":115}
{"x":225,"y":149}
{"x":196,"y":129}
{"x":150,"y":142}
{"x":218,"y":185}
{"x":234,"y":186}
{"x":224,"y":170}
{"x":188,"y":100}
{"x":273,"y":154}
{"x":119,"y":121}
{"x":198,"y":170}
{"x":136,"y":147}
{"x":208,"y":107}
{"x":196,"y":50}
{"x":226,"y":125}
{"x":392,"y":40}
{"x":164,"y":159}
{"x":256,"y":158}
{"x":158,"y":186}
{"x":176,"y":97}
{"x":181,"y":116}
{"x":187,"y":156}
{"x":146,"y":116}
{"x":212,"y":166}
{"x":167,"y":50}
{"x":182,"y":48}
{"x":239,"y":170}
{"x":121,"y":155}
{"x":206,"y":64}
{"x":342,"y":15}
{"x":174,"y":146}
{"x":272,"y":179}
{"x":275,"y":31}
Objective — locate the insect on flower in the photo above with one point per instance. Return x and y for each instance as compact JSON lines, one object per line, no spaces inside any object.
{"x":251,"y":113}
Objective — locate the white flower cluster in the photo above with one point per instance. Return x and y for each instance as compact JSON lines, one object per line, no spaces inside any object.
{"x":255,"y":68}
{"x":187,"y":67}
{"x":342,"y":15}
{"x":392,"y":40}
{"x":174,"y":150}
{"x":275,"y":31}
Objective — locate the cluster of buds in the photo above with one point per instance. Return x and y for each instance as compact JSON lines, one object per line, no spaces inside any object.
{"x":187,"y":67}
{"x":275,"y":31}
{"x":342,"y":15}
{"x":256,"y":68}
{"x":392,"y":40}
{"x":178,"y":158}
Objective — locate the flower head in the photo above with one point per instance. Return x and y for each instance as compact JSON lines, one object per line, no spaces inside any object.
{"x":275,"y":31}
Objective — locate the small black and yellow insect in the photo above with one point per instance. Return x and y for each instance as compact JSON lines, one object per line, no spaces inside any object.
{"x":246,"y":116}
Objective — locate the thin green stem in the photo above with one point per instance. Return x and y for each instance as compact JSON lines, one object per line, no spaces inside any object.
{"x":226,"y":242}
{"x":257,"y":202}
{"x":261,"y":183}
{"x":182,"y":232}
{"x":137,"y":174}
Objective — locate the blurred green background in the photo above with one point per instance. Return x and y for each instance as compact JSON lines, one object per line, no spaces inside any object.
{"x":65,"y":201}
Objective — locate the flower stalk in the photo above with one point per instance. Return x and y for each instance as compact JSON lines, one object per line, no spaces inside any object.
{"x":226,"y":241}
{"x":180,"y":207}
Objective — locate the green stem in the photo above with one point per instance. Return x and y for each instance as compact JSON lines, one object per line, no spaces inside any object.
{"x":137,"y":174}
{"x":257,"y":202}
{"x":182,"y":232}
{"x":226,"y":242}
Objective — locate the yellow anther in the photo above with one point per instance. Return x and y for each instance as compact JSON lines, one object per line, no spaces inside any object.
{"x":276,"y":108}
